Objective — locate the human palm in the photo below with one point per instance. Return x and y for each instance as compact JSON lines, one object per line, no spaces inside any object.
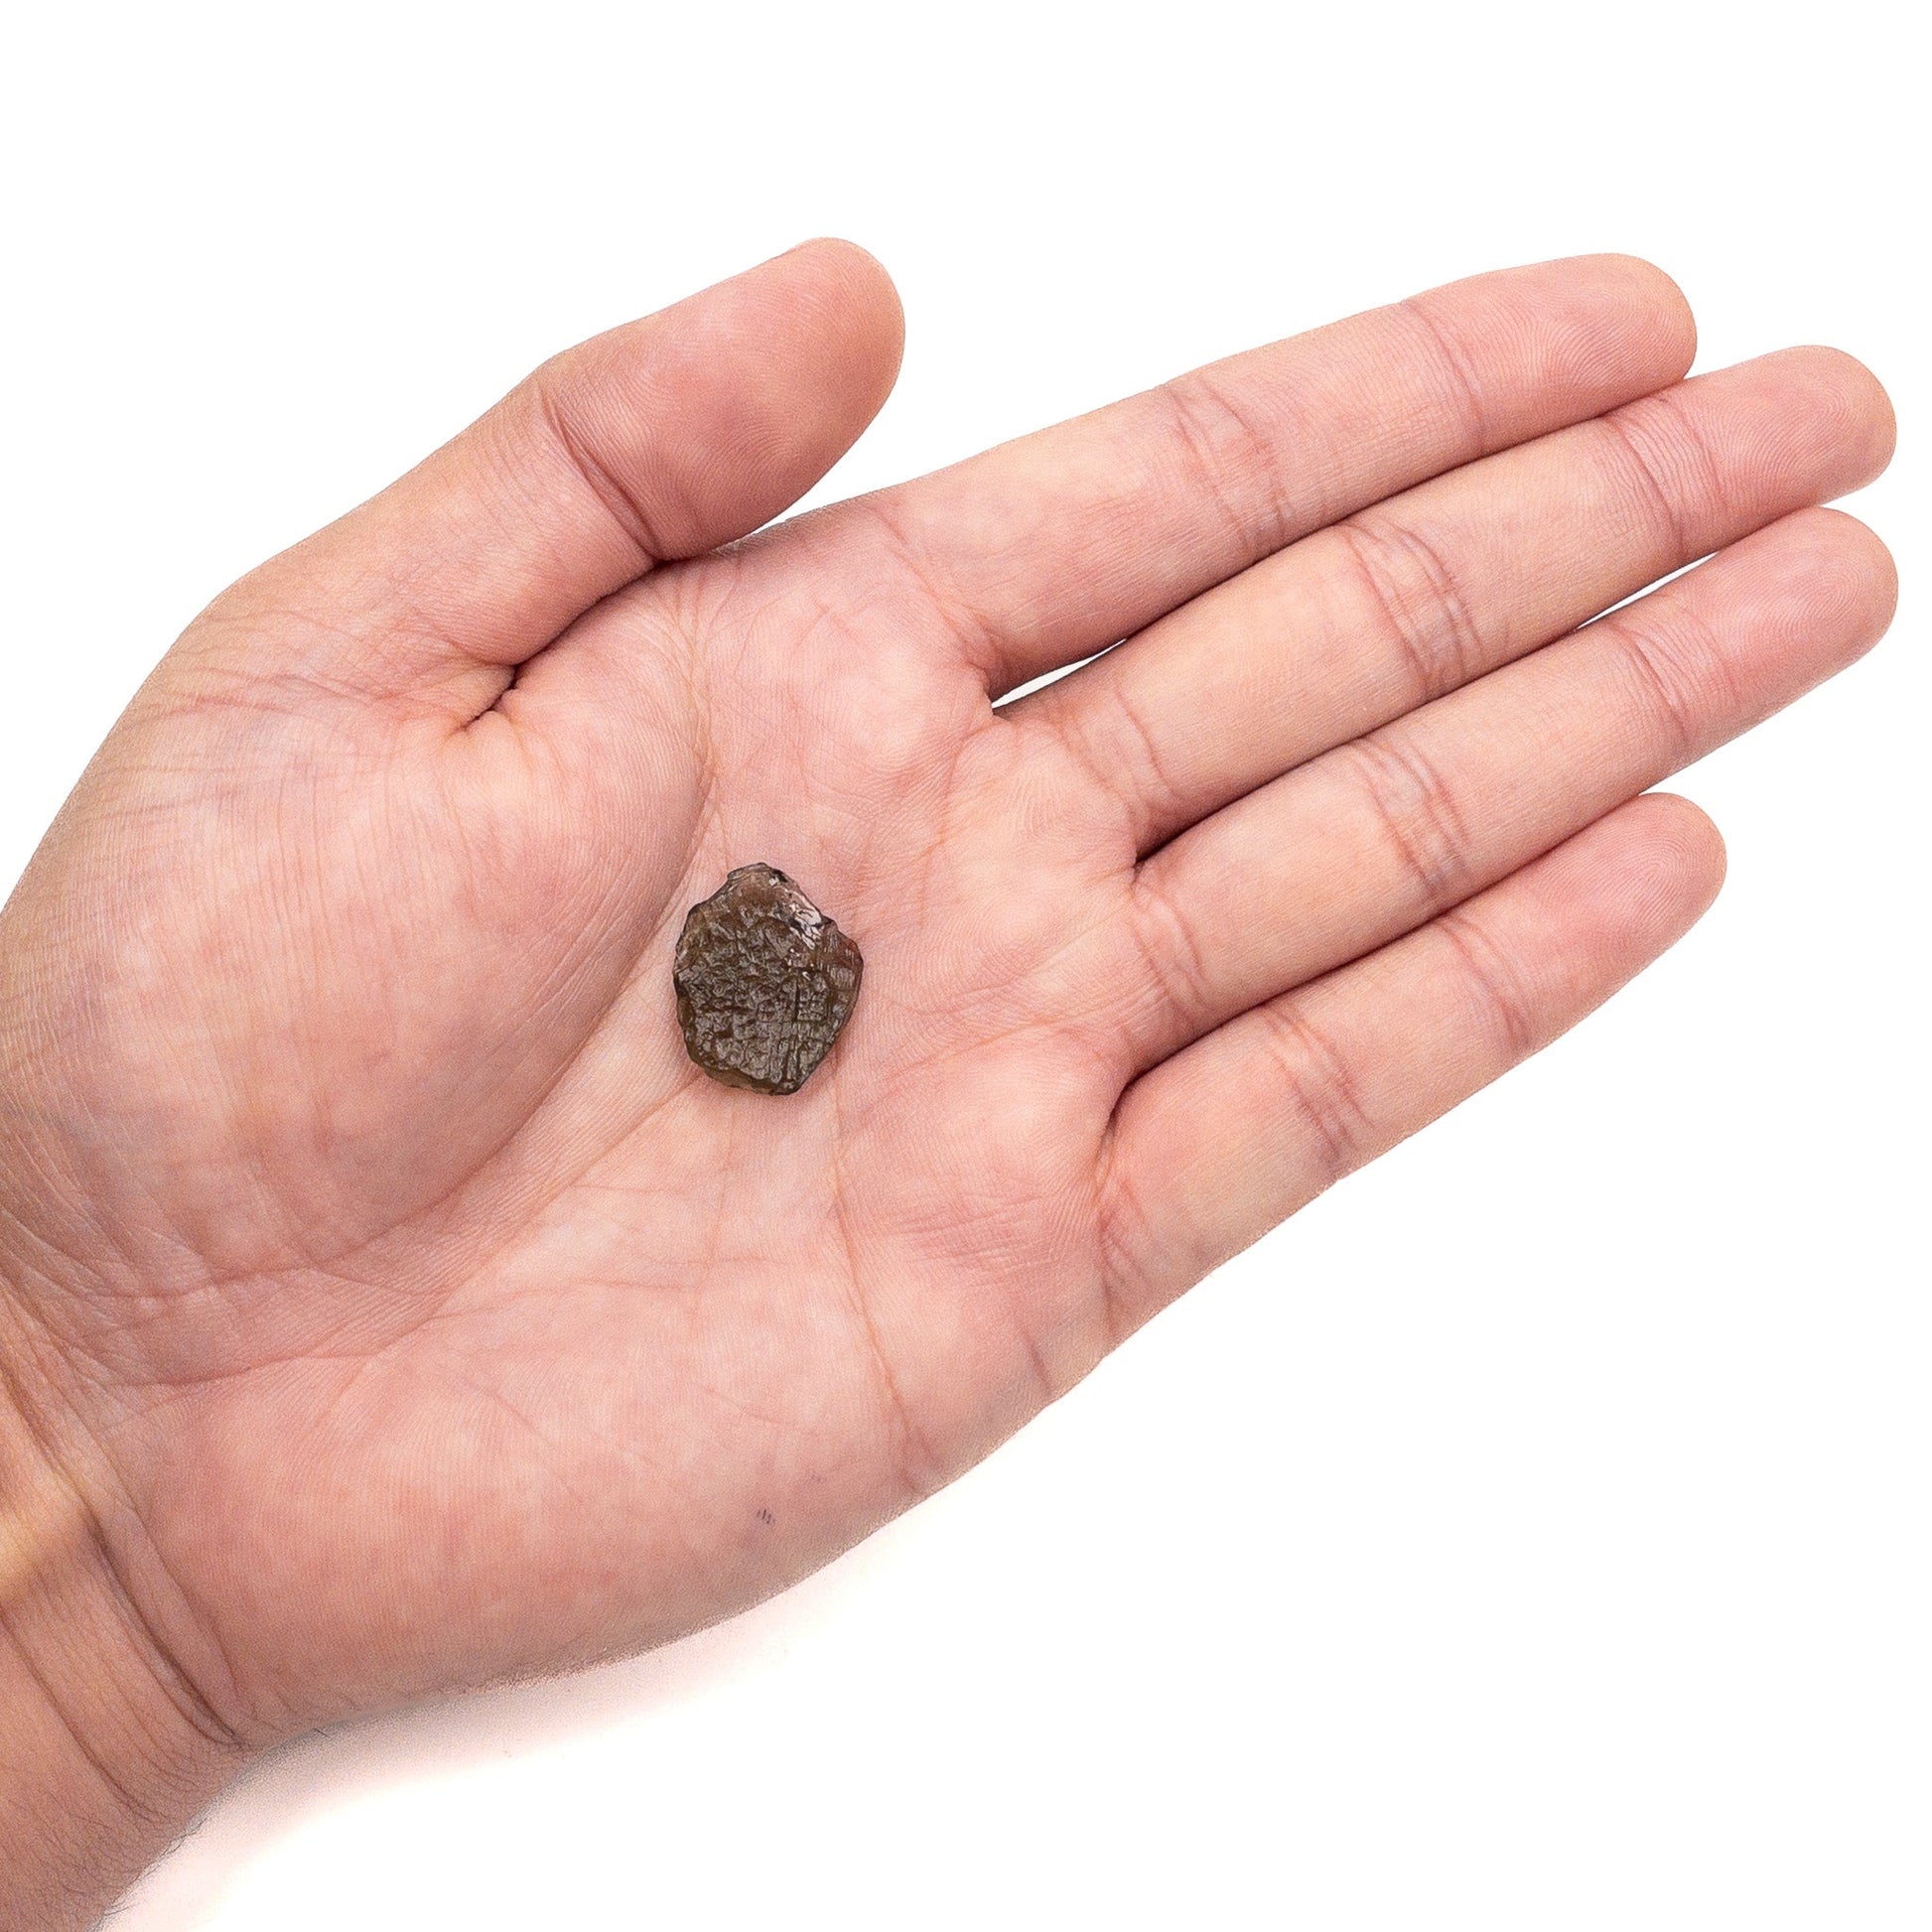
{"x":408,"y":1306}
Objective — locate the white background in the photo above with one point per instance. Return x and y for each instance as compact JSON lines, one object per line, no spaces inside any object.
{"x":1532,"y":1535}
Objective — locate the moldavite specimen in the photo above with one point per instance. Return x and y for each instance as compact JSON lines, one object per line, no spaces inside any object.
{"x":765,"y":982}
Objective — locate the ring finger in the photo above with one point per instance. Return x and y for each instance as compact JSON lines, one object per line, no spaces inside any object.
{"x":1370,"y":840}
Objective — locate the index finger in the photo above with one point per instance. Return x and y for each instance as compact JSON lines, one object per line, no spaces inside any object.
{"x":1050,"y":548}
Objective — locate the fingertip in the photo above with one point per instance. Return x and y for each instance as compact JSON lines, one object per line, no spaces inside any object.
{"x":1808,"y":420}
{"x":1843,"y":563}
{"x":1653,"y":299}
{"x":1646,"y":873}
{"x":1875,"y":563}
{"x":1871,"y":422}
{"x":1663,"y":298}
{"x":1615,"y":326}
{"x":853,"y":260}
{"x":1690,"y":847}
{"x":853,"y":285}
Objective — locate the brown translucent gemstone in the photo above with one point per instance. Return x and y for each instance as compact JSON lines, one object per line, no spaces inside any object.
{"x":765,"y":982}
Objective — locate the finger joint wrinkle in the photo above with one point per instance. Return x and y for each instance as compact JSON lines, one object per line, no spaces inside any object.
{"x":1668,"y":695}
{"x":1323,"y":1089}
{"x":1651,"y":476}
{"x":1416,"y":812}
{"x":1497,"y":984}
{"x":1151,"y":795}
{"x":617,"y":502}
{"x":1464,"y":390}
{"x":1173,"y":952}
{"x":1423,"y":606}
{"x":1129,"y":1242}
{"x":1232,"y":461}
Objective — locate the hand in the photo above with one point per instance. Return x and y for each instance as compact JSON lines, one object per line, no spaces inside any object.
{"x":395,"y":1303}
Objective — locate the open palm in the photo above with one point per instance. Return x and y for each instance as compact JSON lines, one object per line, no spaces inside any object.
{"x":408,"y":1306}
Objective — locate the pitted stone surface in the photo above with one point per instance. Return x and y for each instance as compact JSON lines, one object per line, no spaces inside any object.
{"x":765,"y":982}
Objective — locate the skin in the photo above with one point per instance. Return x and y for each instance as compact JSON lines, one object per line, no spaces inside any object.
{"x":386,"y":1303}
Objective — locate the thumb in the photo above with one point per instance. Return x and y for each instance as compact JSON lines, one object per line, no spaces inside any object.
{"x":661,"y":439}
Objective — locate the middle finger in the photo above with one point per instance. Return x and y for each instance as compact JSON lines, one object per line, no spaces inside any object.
{"x":1443,"y":583}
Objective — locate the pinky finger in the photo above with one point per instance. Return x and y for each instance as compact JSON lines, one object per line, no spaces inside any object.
{"x":1214,"y":1146}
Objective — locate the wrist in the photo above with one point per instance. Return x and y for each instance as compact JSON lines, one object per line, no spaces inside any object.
{"x":108,"y":1751}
